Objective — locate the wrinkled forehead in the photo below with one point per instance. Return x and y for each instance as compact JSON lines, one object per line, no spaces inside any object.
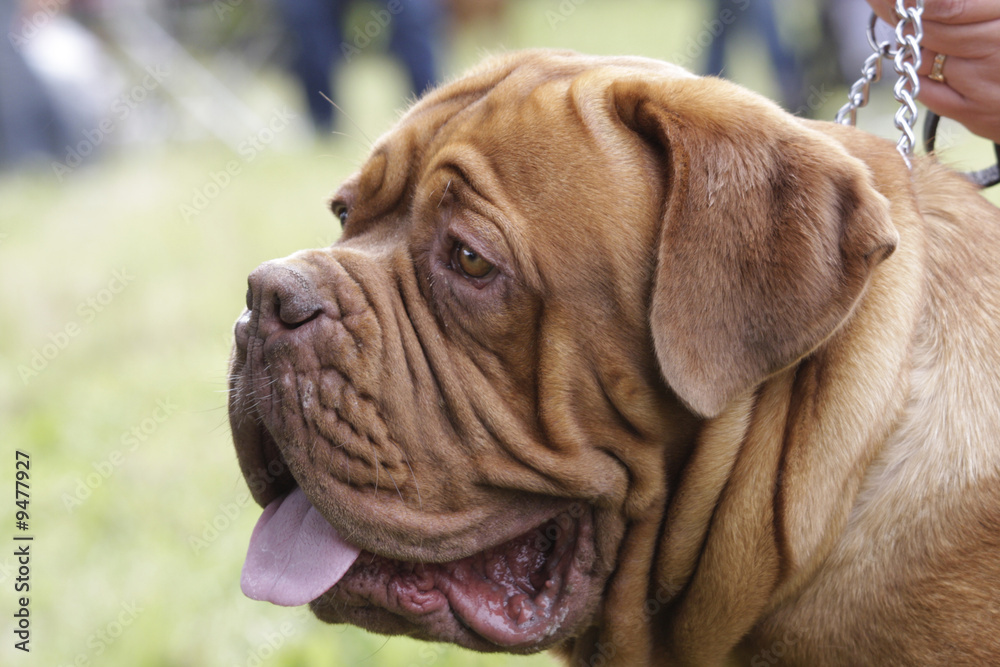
{"x":504,"y":93}
{"x":526,"y":70}
{"x":536,"y":123}
{"x":532,"y":140}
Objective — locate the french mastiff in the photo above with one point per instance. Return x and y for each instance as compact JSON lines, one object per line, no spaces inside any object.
{"x":630,"y":364}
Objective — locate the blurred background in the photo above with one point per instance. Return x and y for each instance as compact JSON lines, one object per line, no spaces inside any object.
{"x":152,"y":153}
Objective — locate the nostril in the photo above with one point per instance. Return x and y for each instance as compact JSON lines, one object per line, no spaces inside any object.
{"x":282,"y":295}
{"x":295,"y":310}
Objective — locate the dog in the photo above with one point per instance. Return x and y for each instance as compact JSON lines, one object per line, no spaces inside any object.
{"x":632,"y":365}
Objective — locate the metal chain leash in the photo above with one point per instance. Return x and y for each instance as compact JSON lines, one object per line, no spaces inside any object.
{"x":871,"y":72}
{"x":909,"y":33}
{"x":906,"y":60}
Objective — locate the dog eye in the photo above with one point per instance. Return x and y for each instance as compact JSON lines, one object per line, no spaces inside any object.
{"x":471,"y":263}
{"x":339,"y":209}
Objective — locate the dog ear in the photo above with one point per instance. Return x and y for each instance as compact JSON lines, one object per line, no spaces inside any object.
{"x":769,"y":236}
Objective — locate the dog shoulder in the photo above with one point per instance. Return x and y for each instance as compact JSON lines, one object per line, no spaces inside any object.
{"x":921,"y":543}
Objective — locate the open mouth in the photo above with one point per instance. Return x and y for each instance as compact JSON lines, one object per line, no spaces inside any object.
{"x":535,"y":582}
{"x":515,"y":595}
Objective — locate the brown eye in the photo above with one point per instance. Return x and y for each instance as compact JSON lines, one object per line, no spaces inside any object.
{"x":471,"y":263}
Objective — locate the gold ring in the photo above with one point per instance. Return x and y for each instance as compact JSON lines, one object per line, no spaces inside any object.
{"x":937,"y":69}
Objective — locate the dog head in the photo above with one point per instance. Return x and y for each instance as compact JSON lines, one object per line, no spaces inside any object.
{"x":552,"y":271}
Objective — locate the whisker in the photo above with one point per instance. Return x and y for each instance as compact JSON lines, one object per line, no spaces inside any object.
{"x":445,"y":193}
{"x":348,"y":117}
{"x":366,"y":146}
{"x":420,"y":501}
{"x":398,"y":492}
{"x":224,"y":423}
{"x":384,"y":644}
{"x":347,"y":463}
{"x":378,"y":465}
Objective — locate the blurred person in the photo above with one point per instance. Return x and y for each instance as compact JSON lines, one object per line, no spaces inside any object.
{"x":322,"y":44}
{"x":30,"y":125}
{"x":758,"y":16}
{"x":57,"y":85}
{"x":847,"y":21}
{"x":960,"y":61}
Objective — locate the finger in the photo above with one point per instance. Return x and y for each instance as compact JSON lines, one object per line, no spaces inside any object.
{"x":952,"y":67}
{"x":975,"y":80}
{"x":943,"y":11}
{"x":980,"y":117}
{"x":941,"y":98}
{"x":961,"y":11}
{"x":977,"y":40}
{"x":885,"y":10}
{"x":948,"y":104}
{"x":927,"y":57}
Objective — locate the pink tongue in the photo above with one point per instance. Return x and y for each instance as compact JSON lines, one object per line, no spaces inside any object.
{"x":295,"y":555}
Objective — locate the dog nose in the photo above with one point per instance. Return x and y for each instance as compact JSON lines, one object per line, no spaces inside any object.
{"x":281,"y":297}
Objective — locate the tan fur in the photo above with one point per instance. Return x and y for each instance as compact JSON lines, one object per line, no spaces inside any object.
{"x":764,"y":353}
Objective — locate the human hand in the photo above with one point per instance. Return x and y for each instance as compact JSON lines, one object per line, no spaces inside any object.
{"x":967,"y":32}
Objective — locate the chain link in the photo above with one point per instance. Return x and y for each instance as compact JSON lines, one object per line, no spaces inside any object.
{"x":909,"y":33}
{"x":871,"y":72}
{"x":906,"y":60}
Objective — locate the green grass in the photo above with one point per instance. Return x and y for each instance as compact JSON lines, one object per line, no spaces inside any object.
{"x":131,"y":460}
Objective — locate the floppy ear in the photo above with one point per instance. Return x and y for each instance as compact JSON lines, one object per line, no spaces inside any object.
{"x":770,"y":233}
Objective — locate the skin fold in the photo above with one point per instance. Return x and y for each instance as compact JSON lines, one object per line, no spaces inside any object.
{"x":632,"y":365}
